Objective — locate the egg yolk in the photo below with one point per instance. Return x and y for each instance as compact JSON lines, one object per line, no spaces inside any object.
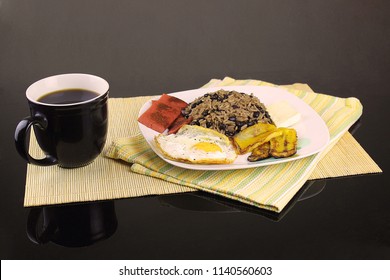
{"x":207,"y":147}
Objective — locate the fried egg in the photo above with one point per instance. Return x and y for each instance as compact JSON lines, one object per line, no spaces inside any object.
{"x":197,"y":144}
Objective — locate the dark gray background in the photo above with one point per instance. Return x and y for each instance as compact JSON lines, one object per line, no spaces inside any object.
{"x":148,"y":47}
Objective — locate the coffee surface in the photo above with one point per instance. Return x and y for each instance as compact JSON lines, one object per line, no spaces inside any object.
{"x":68,"y":96}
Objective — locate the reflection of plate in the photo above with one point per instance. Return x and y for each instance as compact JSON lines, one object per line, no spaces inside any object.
{"x":206,"y":202}
{"x":313,"y":134}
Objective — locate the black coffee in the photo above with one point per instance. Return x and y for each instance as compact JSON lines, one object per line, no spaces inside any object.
{"x":68,"y":96}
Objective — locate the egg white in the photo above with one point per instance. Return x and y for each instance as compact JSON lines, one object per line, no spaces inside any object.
{"x":197,"y":144}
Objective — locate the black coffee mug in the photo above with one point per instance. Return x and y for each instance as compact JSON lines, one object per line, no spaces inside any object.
{"x":75,"y":225}
{"x":70,"y":119}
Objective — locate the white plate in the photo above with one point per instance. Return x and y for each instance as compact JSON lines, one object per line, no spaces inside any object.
{"x":313,"y":134}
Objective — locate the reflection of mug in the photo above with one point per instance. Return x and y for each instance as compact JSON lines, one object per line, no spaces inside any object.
{"x":72,"y":225}
{"x":69,"y":116}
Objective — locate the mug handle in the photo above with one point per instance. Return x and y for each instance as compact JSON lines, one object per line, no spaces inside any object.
{"x":21,"y":132}
{"x":32,"y":232}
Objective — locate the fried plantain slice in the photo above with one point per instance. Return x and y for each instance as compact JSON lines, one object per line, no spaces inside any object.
{"x":284,"y":145}
{"x":260,"y":152}
{"x":254,"y":136}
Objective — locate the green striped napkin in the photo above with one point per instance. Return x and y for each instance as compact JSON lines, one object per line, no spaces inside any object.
{"x":268,"y":187}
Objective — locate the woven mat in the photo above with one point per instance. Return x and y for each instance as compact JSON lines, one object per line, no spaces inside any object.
{"x":106,"y":178}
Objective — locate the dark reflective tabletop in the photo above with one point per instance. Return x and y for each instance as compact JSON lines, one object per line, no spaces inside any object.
{"x":152,"y":47}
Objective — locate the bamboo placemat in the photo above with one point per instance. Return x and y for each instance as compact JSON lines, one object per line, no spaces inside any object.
{"x":109,"y":179}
